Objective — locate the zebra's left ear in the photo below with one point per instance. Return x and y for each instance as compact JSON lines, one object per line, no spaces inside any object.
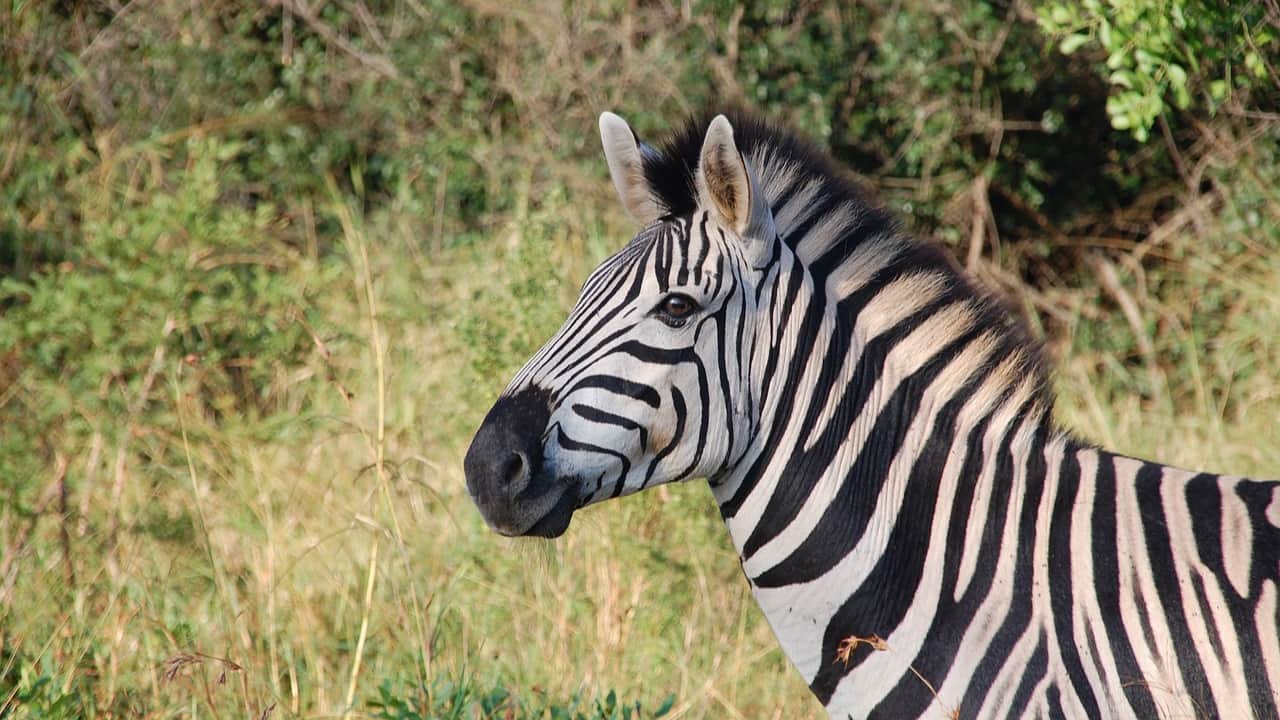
{"x":625,"y":155}
{"x":728,"y":185}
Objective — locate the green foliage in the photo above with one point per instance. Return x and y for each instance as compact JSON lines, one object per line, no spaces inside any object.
{"x":35,"y":689}
{"x":512,"y":315}
{"x":172,"y":287}
{"x":1164,"y":56}
{"x":465,"y":700}
{"x":920,"y":98}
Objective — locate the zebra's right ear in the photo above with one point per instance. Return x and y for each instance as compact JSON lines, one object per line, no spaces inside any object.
{"x":626,"y":167}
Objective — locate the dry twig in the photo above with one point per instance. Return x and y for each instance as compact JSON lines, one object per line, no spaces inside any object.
{"x":844,"y":653}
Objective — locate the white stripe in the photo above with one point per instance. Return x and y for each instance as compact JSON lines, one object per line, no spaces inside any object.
{"x":1237,"y":536}
{"x":1085,"y":609}
{"x":1225,"y":675}
{"x":798,"y":208}
{"x":868,"y":258}
{"x":1158,"y":662}
{"x":827,"y":231}
{"x":985,"y":480}
{"x":891,"y":305}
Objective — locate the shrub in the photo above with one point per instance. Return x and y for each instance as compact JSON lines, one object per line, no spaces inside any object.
{"x":1163,"y":57}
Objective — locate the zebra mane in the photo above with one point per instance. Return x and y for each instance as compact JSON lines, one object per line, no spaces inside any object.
{"x":837,"y":230}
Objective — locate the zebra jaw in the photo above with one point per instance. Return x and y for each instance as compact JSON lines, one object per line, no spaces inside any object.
{"x":505,"y":474}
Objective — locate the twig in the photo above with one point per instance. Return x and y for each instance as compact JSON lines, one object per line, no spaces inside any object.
{"x":378,"y":63}
{"x":844,"y":653}
{"x":183,"y":660}
{"x":359,"y":250}
{"x":981,"y":218}
{"x":93,"y":44}
{"x":68,"y":569}
{"x":442,"y":186}
{"x":1110,"y":282}
{"x":135,"y":407}
{"x":364,"y":629}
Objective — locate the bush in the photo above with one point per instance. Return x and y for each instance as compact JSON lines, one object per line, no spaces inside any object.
{"x":173,"y":288}
{"x":1165,"y":57}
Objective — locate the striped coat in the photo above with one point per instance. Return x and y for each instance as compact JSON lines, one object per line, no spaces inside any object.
{"x":878,"y":433}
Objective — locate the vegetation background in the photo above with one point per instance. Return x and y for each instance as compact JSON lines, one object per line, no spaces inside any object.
{"x":263,"y":267}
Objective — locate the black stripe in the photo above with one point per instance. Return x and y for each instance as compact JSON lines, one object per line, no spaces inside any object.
{"x":1106,"y":572}
{"x":1061,"y":592}
{"x":682,"y":277}
{"x":1197,"y":584}
{"x":881,"y":602}
{"x":1017,"y":617}
{"x":1160,"y":560}
{"x":1034,"y":672}
{"x":681,"y":412}
{"x":794,"y":372}
{"x":619,"y":386}
{"x":1053,"y":697}
{"x":937,"y":653}
{"x":603,"y":417}
{"x":720,"y":319}
{"x":568,"y":443}
{"x":706,"y":244}
{"x":579,"y":331}
{"x":807,"y":466}
{"x":1263,"y":568}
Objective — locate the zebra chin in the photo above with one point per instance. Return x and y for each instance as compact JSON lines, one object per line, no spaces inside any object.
{"x":513,"y":520}
{"x":506,"y":477}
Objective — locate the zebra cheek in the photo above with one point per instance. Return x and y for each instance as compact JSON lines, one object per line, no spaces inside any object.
{"x":661,"y":435}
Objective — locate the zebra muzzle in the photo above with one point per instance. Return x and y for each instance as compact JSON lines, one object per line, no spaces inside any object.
{"x":505,"y":473}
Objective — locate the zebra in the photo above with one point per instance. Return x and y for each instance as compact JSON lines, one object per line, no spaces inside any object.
{"x":922,"y":538}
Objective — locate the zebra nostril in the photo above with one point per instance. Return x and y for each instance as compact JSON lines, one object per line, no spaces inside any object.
{"x":515,"y":469}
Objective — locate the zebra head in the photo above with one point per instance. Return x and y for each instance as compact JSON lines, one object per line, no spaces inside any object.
{"x":635,"y":388}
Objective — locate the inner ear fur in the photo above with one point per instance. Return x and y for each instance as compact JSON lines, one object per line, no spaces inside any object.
{"x":726,"y":183}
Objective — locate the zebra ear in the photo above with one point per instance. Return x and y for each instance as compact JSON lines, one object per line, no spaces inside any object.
{"x":626,"y":167}
{"x":727,"y":184}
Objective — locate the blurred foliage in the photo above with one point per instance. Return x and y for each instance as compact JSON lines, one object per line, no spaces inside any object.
{"x":165,"y":270}
{"x":37,"y":690}
{"x":1164,"y":55}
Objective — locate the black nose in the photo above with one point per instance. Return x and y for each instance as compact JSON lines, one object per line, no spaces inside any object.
{"x":504,"y":463}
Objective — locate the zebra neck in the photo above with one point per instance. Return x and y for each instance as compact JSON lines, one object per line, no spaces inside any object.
{"x":833,"y":512}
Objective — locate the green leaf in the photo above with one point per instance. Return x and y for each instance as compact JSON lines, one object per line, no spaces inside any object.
{"x":1218,"y":89}
{"x":1071,"y":43}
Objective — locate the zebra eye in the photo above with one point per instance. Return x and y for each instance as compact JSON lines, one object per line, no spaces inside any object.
{"x":676,"y":306}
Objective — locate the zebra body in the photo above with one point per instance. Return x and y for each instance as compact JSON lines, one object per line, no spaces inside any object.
{"x":878,"y":435}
